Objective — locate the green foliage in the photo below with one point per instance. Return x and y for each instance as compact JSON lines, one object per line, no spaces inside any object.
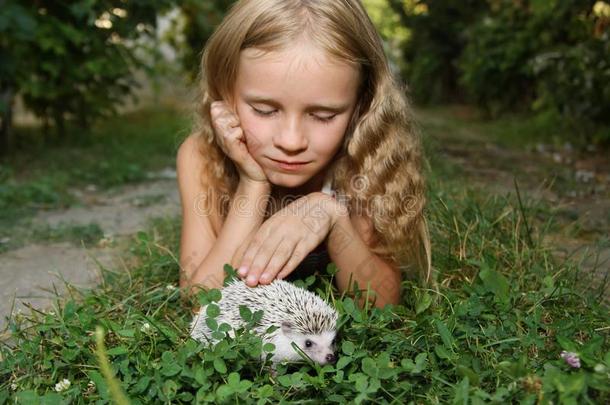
{"x":492,"y":332}
{"x":545,"y":56}
{"x":391,"y":29}
{"x":436,"y":41}
{"x":114,"y":386}
{"x":493,"y":64}
{"x":16,"y":24}
{"x":573,"y":83}
{"x":74,"y":60}
{"x":549,"y":58}
{"x":88,"y":234}
{"x":122,"y":150}
{"x":200,"y":18}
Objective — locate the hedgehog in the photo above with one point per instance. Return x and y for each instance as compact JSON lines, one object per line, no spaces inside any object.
{"x":301,"y":317}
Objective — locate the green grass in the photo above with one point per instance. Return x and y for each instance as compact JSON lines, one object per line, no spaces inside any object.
{"x":490,"y":154}
{"x":115,"y":152}
{"x":88,"y":234}
{"x":492,"y":331}
{"x":511,"y":130}
{"x":119,"y":151}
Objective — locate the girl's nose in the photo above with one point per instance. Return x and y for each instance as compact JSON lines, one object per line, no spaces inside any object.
{"x":291,"y":136}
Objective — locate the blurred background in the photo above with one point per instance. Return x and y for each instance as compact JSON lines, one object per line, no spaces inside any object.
{"x":96,"y":96}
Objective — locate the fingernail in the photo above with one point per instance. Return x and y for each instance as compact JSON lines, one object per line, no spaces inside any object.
{"x":265,"y":277}
{"x":243,"y":270}
{"x":252,"y":279}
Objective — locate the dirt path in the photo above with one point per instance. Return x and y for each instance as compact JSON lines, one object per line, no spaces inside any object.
{"x":575,"y":184}
{"x":31,"y":273}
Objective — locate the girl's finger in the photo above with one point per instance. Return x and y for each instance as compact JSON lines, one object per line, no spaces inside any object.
{"x":298,"y":254}
{"x":280,"y":257}
{"x":238,"y":256}
{"x":260,"y":261}
{"x":223,"y":120}
{"x":252,"y":251}
{"x":233,"y":135}
{"x":248,"y":255}
{"x":228,"y":121}
{"x":230,"y":141}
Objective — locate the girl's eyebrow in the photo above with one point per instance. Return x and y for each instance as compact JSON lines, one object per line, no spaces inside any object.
{"x":335,"y":108}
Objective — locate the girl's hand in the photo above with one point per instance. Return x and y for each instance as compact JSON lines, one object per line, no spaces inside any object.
{"x":283,"y":240}
{"x":234,"y":144}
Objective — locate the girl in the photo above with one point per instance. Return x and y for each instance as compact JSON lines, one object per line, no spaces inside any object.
{"x":297,"y":101}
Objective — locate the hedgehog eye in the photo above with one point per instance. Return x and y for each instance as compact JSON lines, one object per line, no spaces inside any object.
{"x":308,"y":343}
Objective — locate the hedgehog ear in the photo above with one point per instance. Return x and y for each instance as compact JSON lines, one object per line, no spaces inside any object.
{"x":286,"y":328}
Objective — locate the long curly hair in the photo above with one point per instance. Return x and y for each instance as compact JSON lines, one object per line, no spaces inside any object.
{"x":378,"y":167}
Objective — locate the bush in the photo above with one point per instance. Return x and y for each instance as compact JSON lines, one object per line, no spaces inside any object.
{"x":574,"y":82}
{"x":198,"y":20}
{"x":550,"y":58}
{"x":437,"y":40}
{"x":541,"y":57}
{"x":72,"y":61}
{"x":493,"y":65}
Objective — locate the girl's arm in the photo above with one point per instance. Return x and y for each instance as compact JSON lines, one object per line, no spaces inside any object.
{"x":202,"y":252}
{"x":348,"y":246}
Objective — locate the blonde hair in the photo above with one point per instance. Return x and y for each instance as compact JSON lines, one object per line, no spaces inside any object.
{"x":378,"y":167}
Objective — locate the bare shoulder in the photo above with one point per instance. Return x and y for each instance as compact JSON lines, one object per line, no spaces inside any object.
{"x":189,"y":154}
{"x":190,"y":165}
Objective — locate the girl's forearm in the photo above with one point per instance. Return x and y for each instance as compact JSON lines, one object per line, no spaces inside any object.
{"x":356,"y":263}
{"x":246,"y":214}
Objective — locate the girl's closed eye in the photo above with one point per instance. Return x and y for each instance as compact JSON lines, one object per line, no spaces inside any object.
{"x":324,"y":119}
{"x":264,"y":113}
{"x":268,"y":113}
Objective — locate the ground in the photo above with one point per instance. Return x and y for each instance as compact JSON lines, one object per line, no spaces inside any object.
{"x":31,"y":273}
{"x":575,"y":186}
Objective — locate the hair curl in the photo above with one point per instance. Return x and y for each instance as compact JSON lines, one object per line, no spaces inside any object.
{"x":378,"y":168}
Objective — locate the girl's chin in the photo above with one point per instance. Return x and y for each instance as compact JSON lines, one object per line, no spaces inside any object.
{"x":288,"y":180}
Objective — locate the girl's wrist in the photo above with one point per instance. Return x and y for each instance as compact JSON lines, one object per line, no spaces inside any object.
{"x":333,"y":208}
{"x":255,"y":185}
{"x":251,"y":198}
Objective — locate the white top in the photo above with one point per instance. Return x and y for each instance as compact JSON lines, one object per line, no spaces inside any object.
{"x":326,"y":188}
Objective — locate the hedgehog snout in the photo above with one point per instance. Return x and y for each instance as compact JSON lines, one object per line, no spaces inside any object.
{"x":331,"y":358}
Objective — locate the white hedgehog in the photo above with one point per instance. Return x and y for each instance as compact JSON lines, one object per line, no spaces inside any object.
{"x":300,"y":315}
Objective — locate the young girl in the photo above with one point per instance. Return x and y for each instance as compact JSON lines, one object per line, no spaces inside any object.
{"x":304,"y":154}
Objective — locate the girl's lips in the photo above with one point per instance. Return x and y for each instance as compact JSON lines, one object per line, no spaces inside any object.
{"x":289,"y":166}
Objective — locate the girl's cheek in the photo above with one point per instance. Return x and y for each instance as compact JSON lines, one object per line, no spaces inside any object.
{"x":256,"y":134}
{"x":333,"y":134}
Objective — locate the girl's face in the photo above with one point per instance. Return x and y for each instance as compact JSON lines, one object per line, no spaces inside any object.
{"x":294,"y":105}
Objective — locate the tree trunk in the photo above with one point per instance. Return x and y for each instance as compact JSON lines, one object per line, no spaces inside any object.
{"x":60,"y":125}
{"x":6,"y":118}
